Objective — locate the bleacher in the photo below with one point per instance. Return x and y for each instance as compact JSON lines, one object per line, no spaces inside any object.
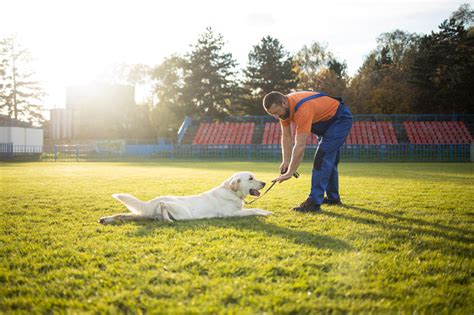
{"x":224,"y":133}
{"x":362,"y":133}
{"x":397,"y":138}
{"x":242,"y":133}
{"x":272,"y":134}
{"x":437,"y":132}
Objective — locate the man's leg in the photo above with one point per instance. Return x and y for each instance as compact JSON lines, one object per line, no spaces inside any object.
{"x":327,"y":156}
{"x":332,"y":191}
{"x":323,"y":165}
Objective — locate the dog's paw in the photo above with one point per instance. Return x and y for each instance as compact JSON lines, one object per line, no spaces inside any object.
{"x":105,"y":220}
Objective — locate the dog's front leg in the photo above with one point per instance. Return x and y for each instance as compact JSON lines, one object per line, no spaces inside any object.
{"x":248,"y":212}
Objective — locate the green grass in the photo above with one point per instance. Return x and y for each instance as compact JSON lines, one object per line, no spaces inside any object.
{"x":403,"y":243}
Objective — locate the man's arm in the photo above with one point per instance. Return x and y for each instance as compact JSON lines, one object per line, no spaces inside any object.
{"x":286,"y":144}
{"x":298,"y":153}
{"x":296,"y":158}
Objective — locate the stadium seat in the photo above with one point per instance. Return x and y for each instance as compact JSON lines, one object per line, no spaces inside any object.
{"x":437,"y":132}
{"x":372,"y":133}
{"x":224,"y":133}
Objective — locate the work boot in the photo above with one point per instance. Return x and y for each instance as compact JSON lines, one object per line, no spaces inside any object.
{"x":308,"y":206}
{"x":335,"y":202}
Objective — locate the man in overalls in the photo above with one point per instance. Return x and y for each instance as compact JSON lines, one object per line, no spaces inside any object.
{"x":323,"y":115}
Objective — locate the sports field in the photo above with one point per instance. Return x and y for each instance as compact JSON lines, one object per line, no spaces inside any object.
{"x":403,"y":242}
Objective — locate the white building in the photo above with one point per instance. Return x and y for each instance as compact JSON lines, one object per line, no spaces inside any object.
{"x":16,"y":137}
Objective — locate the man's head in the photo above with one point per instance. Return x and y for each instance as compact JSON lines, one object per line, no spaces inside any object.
{"x":276,"y":105}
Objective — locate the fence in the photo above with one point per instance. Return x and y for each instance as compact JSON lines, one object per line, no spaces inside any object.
{"x":361,"y":153}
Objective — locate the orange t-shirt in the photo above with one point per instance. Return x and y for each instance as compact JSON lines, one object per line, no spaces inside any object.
{"x":316,"y":110}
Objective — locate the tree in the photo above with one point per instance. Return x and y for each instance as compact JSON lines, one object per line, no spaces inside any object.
{"x":168,"y":109}
{"x":137,"y":117}
{"x":443,"y":70}
{"x":122,"y":73}
{"x":20,"y":94}
{"x":270,"y":68}
{"x":396,"y":46}
{"x":464,"y":15}
{"x":319,"y":70}
{"x":209,"y":77}
{"x":382,"y":85}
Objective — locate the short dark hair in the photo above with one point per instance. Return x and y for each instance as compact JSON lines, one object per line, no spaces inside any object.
{"x":271,"y":98}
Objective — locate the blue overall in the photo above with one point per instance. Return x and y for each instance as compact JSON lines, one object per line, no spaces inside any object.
{"x":332,"y":134}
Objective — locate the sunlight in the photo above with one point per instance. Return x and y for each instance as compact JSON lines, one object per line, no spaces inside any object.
{"x":87,"y":41}
{"x":73,"y":41}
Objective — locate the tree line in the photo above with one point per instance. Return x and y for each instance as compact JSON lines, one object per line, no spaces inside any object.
{"x":405,"y":73}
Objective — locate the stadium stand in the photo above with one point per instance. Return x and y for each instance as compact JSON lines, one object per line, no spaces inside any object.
{"x":364,"y":132}
{"x":404,"y":137}
{"x":224,"y":133}
{"x":361,"y":133}
{"x":437,"y":132}
{"x":272,"y":134}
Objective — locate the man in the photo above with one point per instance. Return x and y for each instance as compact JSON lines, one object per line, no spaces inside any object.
{"x":323,"y":115}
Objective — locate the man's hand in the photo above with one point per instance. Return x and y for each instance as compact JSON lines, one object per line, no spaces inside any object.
{"x":284,"y":167}
{"x":282,"y":177}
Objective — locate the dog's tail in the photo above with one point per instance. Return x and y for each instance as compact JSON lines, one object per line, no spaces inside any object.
{"x":133,"y":204}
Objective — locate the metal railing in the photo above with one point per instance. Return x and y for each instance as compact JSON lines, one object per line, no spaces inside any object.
{"x":362,"y":153}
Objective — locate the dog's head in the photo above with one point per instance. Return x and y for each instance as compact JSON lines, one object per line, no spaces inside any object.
{"x":243,"y":184}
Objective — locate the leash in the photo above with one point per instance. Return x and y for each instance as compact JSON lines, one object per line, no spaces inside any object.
{"x":296,"y":175}
{"x":271,"y":186}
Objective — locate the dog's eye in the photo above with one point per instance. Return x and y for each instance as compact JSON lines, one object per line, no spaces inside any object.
{"x":251,"y":178}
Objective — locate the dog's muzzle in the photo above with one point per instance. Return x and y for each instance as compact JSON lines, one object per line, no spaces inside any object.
{"x":256,"y":192}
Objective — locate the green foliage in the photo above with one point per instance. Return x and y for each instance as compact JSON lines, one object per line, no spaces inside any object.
{"x":20,"y":93}
{"x":209,"y":77}
{"x":168,"y":110}
{"x":319,"y":70}
{"x":139,"y":123}
{"x":412,"y":74}
{"x":139,"y":120}
{"x":381,"y":85}
{"x":270,"y":68}
{"x":444,"y":66}
{"x":403,"y":242}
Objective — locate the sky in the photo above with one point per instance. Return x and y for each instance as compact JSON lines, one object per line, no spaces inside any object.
{"x":73,"y":41}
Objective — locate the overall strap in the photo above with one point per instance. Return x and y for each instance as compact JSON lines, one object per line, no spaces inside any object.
{"x":311,"y":97}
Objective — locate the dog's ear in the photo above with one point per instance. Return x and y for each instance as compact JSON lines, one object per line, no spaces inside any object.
{"x":235,"y":184}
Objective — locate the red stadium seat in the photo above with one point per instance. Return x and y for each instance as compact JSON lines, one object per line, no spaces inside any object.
{"x":436,"y":132}
{"x":224,"y":133}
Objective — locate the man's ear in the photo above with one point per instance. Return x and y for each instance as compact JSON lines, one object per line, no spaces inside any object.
{"x":235,"y":184}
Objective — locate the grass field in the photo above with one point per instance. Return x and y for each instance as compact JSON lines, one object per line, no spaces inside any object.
{"x":403,"y":242}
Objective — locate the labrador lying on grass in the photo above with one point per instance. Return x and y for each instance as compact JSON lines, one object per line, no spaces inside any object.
{"x":226,"y":200}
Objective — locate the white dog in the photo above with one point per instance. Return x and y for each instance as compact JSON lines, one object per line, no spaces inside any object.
{"x":226,"y":200}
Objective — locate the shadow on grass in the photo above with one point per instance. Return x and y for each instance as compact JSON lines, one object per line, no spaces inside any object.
{"x":252,"y":224}
{"x":467,"y":235}
{"x":417,"y":226}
